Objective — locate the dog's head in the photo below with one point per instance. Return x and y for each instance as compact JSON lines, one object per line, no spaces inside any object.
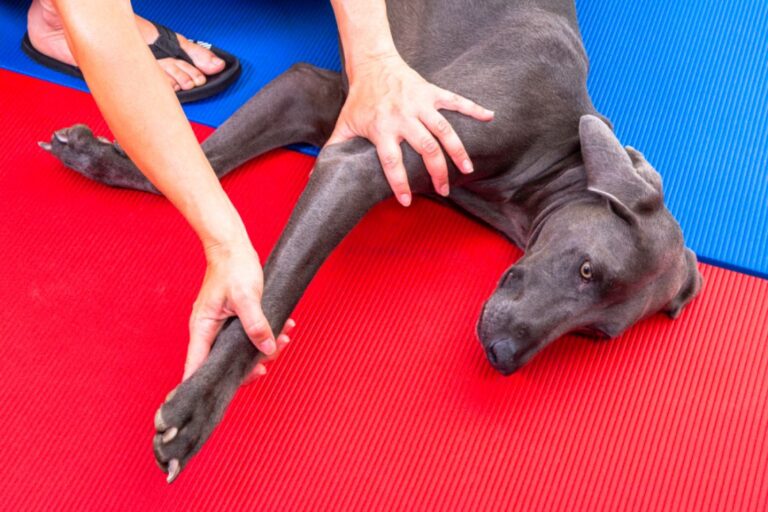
{"x":595,"y":265}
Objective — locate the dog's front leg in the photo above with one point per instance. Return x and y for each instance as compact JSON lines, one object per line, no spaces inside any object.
{"x":346,"y":182}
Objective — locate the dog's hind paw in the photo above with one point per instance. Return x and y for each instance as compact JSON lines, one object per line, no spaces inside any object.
{"x":96,"y":158}
{"x":185,"y":421}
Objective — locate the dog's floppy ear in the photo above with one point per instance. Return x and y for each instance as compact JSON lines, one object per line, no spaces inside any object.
{"x":690,"y":288}
{"x":621,"y":175}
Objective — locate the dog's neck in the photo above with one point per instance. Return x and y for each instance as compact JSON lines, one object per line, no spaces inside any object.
{"x":520,"y":199}
{"x":568,"y":187}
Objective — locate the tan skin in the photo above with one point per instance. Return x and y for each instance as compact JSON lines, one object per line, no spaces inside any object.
{"x":388,"y":103}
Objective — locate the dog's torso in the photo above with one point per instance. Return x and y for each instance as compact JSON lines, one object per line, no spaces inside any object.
{"x":525,"y":61}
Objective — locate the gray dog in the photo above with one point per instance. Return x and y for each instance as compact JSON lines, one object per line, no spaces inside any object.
{"x":601,"y":249}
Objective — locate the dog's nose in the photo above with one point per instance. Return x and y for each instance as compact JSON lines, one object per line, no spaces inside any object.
{"x":504,"y":356}
{"x":501,"y":353}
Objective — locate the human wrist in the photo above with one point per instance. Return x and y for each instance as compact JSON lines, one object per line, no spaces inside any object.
{"x":222,"y":249}
{"x":224,"y":234}
{"x":364,"y":32}
{"x":368,"y":63}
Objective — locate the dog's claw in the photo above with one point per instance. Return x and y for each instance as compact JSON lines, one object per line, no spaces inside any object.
{"x":169,"y":434}
{"x":61,"y":137}
{"x":174,"y":468}
{"x":118,"y":149}
{"x":170,"y":395}
{"x":159,"y":422}
{"x":103,"y":139}
{"x":45,"y":145}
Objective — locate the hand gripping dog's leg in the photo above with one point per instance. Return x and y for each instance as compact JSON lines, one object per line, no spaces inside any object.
{"x":301,"y":105}
{"x":347,"y":181}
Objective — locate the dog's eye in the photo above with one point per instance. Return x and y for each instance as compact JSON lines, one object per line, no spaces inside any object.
{"x":586,"y":271}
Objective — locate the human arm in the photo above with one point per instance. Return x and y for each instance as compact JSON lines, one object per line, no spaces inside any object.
{"x":141,"y":109}
{"x":389,"y":102}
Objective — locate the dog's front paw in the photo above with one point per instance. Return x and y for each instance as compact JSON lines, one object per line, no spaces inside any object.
{"x":185,"y":421}
{"x":96,"y":158}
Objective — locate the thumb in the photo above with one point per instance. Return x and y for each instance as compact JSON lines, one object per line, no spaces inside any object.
{"x":341,"y":133}
{"x":256,"y":325}
{"x":202,"y":333}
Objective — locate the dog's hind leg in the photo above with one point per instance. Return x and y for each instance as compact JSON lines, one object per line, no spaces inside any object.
{"x":347,"y":181}
{"x":301,"y":105}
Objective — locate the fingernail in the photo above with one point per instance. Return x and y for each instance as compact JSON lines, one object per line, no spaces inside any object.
{"x":261,"y":370}
{"x":268,"y":347}
{"x":217,"y":61}
{"x":445,"y":190}
{"x":467,"y":166}
{"x":491,"y":113}
{"x":405,"y":199}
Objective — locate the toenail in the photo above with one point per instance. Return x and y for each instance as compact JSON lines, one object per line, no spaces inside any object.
{"x":174,"y":468}
{"x":168,"y":435}
{"x":159,"y":422}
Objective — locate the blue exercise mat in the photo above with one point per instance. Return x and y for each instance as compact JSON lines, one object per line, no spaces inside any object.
{"x":684,"y":82}
{"x":266,"y":36}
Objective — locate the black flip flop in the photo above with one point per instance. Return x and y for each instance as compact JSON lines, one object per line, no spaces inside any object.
{"x":165,"y":46}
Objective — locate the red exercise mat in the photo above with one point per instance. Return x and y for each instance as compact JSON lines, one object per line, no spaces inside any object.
{"x":383,"y":401}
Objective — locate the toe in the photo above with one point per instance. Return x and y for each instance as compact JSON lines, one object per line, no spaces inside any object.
{"x":204,"y":59}
{"x":182,"y":79}
{"x":195,"y":74}
{"x":160,"y":424}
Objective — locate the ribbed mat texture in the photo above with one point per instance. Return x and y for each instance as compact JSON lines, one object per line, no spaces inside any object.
{"x":267,"y":37}
{"x":383,"y":401}
{"x":684,"y":82}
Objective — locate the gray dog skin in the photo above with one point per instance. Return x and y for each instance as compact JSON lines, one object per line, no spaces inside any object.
{"x":601,"y":249}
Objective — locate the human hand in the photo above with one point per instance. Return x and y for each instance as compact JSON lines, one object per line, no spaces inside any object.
{"x":232,"y":286}
{"x":389,"y":102}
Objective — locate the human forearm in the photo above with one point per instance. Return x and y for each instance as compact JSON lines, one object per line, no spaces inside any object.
{"x":364,"y":32}
{"x":143,"y":113}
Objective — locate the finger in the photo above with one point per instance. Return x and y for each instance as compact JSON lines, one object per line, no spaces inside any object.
{"x":422,"y":141}
{"x":449,"y":139}
{"x":258,"y":371}
{"x":281,"y":343}
{"x":341,"y":133}
{"x":452,"y":101}
{"x":202,"y":332}
{"x":255,"y":323}
{"x":290,"y":324}
{"x":391,"y":158}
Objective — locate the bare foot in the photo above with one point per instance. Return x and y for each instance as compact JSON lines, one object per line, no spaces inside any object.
{"x":47,"y":36}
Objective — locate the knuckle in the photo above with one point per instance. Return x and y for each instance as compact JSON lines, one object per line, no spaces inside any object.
{"x":443,"y":127}
{"x":399,"y":184}
{"x":429,"y":146}
{"x":256,"y":328}
{"x":459,"y":154}
{"x":389,"y":161}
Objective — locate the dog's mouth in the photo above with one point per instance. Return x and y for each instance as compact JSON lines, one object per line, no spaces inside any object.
{"x":591,"y":332}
